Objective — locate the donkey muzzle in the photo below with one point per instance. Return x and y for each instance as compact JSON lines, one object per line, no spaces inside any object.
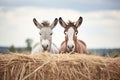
{"x":70,"y":48}
{"x":45,"y":47}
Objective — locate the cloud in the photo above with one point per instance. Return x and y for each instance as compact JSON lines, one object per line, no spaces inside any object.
{"x":99,"y":28}
{"x":81,"y":5}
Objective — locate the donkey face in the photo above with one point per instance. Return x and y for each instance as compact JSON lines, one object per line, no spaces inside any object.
{"x":70,"y":32}
{"x":45,"y":33}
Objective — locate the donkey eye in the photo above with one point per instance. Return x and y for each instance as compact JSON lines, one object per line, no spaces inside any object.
{"x":76,"y":33}
{"x":65,"y":33}
{"x":51,"y":33}
{"x":40,"y":33}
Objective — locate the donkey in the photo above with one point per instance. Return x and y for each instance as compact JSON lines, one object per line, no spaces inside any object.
{"x":71,"y":43}
{"x":45,"y":33}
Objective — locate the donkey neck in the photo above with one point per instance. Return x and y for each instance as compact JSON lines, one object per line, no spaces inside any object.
{"x":80,"y":47}
{"x":77,"y":46}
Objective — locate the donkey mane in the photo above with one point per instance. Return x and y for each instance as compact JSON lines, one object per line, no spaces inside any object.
{"x":70,"y":23}
{"x":45,"y":23}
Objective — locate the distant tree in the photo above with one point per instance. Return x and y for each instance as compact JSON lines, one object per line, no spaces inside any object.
{"x":29,"y":43}
{"x":115,"y":54}
{"x":12,"y":48}
{"x":90,"y":53}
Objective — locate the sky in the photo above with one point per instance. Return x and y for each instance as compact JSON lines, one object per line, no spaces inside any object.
{"x":100,"y":27}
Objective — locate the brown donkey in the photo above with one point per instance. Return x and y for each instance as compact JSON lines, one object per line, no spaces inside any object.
{"x":71,"y":43}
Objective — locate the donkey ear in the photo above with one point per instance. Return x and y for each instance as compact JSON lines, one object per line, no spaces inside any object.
{"x":62,"y":23}
{"x":54,"y":23}
{"x":79,"y":22}
{"x":38,"y":25}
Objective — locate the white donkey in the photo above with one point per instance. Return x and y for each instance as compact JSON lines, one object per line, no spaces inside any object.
{"x":45,"y":37}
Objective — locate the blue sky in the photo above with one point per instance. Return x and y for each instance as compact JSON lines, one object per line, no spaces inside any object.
{"x":100,"y":27}
{"x":80,"y":5}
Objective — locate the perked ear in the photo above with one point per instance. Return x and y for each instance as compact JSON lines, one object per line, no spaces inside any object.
{"x":79,"y":22}
{"x":54,"y":23}
{"x":38,"y":25}
{"x":62,"y":23}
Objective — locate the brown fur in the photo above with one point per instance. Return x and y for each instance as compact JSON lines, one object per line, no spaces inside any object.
{"x":70,"y":24}
{"x":80,"y":46}
{"x":45,"y":23}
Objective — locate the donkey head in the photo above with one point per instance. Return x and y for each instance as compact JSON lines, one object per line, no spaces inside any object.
{"x":70,"y":30}
{"x":45,"y":33}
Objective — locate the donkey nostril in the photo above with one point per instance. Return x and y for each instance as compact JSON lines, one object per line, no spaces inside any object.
{"x":46,"y":46}
{"x":68,"y":47}
{"x":72,"y":46}
{"x":43,"y":46}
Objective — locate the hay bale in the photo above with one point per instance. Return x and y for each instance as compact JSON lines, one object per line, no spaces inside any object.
{"x":48,"y":66}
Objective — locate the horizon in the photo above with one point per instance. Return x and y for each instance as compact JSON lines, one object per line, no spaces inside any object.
{"x":58,"y":47}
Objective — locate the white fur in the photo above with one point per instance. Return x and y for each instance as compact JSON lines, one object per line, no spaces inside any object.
{"x":70,"y":34}
{"x":38,"y":49}
{"x":45,"y":42}
{"x":45,"y":39}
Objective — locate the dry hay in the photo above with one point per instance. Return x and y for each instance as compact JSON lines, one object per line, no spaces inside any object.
{"x":48,"y":66}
